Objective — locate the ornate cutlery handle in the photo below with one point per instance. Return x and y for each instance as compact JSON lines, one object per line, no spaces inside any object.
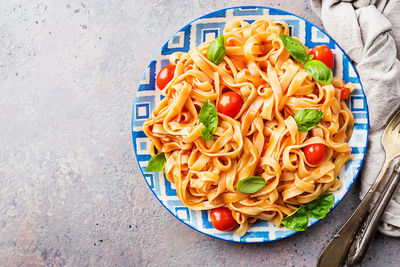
{"x":364,"y":236}
{"x":336,"y":251}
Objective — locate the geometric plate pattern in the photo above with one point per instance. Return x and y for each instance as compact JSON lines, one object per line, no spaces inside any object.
{"x":207,"y":28}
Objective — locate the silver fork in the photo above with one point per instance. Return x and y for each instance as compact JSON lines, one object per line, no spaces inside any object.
{"x":335,"y":252}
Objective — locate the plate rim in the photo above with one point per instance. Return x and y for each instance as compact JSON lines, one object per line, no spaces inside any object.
{"x":362,"y":89}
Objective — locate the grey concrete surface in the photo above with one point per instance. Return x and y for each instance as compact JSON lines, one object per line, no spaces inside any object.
{"x":71,"y":192}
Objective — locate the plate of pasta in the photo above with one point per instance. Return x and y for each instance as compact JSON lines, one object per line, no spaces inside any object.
{"x":250,"y":124}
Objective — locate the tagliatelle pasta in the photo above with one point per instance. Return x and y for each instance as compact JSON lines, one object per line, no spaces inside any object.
{"x":262,"y":140}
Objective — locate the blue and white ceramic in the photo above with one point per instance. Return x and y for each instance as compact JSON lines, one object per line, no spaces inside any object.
{"x":207,"y":28}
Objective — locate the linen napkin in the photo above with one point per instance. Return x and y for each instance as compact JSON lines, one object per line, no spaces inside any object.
{"x":369,"y":32}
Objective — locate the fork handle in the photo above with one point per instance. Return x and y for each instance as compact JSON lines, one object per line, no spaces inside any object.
{"x":364,"y":236}
{"x":336,"y":251}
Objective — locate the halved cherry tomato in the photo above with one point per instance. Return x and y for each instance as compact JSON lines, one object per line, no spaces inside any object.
{"x":315,"y":153}
{"x":221,"y":219}
{"x":165,"y":76}
{"x":324,"y":54}
{"x":230,"y":104}
{"x":344,"y":93}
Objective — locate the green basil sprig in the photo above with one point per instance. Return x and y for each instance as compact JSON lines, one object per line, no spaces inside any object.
{"x":295,"y":48}
{"x":156,"y":163}
{"x":209,"y":118}
{"x":216,"y":51}
{"x":319,"y":71}
{"x":250,"y":184}
{"x":320,"y":207}
{"x":307,"y":119}
{"x":298,"y":220}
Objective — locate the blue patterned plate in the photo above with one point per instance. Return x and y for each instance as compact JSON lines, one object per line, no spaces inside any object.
{"x":207,"y":28}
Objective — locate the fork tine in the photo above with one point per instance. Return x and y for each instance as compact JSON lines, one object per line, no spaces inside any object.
{"x":394,"y":116}
{"x":396,"y":123}
{"x":393,"y":122}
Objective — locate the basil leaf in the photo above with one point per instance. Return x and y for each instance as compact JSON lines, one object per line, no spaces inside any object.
{"x":250,"y":184}
{"x":297,"y":221}
{"x":209,"y":118}
{"x":320,"y":207}
{"x":156,"y":163}
{"x":206,"y":134}
{"x":307,"y":119}
{"x":294,"y":47}
{"x":216,"y":50}
{"x":319,"y":71}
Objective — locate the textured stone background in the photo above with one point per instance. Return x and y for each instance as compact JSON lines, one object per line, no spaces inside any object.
{"x":71,"y":192}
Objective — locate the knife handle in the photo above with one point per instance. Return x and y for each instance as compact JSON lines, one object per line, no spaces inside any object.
{"x":363,"y":238}
{"x":336,"y":251}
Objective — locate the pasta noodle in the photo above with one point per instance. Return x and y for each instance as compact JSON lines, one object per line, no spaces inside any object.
{"x":262,"y":139}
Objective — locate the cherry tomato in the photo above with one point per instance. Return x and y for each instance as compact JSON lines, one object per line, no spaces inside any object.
{"x":230,"y":104}
{"x":344,"y":93}
{"x":324,"y":54}
{"x":165,"y":76}
{"x":315,"y":153}
{"x":221,"y":219}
